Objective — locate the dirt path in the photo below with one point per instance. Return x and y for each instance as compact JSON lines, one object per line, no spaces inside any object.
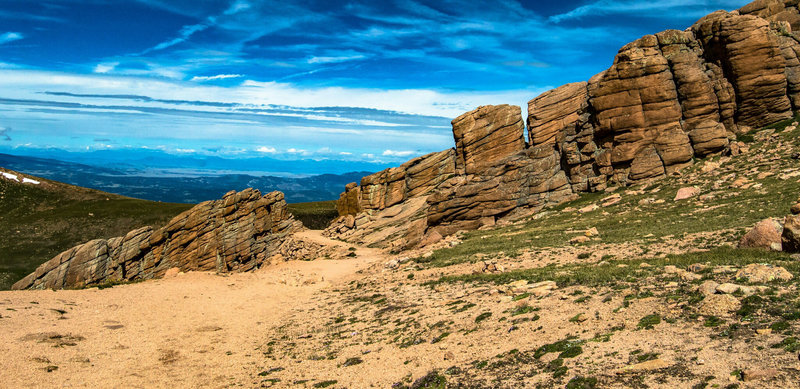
{"x":196,"y":329}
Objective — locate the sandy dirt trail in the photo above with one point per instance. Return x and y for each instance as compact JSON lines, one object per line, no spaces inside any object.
{"x":196,"y":329}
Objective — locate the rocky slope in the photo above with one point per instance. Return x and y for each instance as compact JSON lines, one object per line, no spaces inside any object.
{"x":240,"y":232}
{"x":668,"y":98}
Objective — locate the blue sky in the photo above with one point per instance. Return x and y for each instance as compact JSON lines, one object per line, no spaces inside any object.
{"x":346,"y":80}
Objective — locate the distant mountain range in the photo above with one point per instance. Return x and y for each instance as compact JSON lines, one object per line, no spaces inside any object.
{"x":169,"y":183}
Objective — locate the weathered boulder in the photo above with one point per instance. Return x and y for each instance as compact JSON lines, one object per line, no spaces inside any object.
{"x":766,"y":235}
{"x":236,"y":233}
{"x":487,"y":135}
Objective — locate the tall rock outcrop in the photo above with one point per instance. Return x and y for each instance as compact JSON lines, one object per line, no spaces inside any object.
{"x":667,"y":99}
{"x":237,"y":233}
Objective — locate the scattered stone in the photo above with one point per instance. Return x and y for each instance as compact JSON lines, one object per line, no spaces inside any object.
{"x":543,"y":288}
{"x":689,"y":276}
{"x":708,"y":287}
{"x":697,"y":267}
{"x":764,"y":331}
{"x":686,"y":193}
{"x":653,"y":364}
{"x":670,"y":269}
{"x":592,"y":232}
{"x":761,"y":273}
{"x":719,"y":305}
{"x":579,"y":239}
{"x":588,"y":208}
{"x":729,"y":288}
{"x":760,"y":374}
{"x":611,"y":200}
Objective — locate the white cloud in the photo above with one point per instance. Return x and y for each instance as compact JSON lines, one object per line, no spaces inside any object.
{"x":393,"y":153}
{"x":635,"y":7}
{"x":345,"y":153}
{"x":217,"y":77}
{"x":237,"y":6}
{"x":29,"y":83}
{"x":322,"y":60}
{"x":185,"y":150}
{"x":10,"y":37}
{"x":268,"y":150}
{"x":105,"y":67}
{"x":185,"y":33}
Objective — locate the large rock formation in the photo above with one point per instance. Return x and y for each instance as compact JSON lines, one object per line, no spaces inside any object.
{"x":237,"y":233}
{"x":668,"y":98}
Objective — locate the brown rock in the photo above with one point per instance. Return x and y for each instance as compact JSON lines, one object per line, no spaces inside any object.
{"x":790,"y":238}
{"x":653,"y":364}
{"x":760,"y":273}
{"x":487,"y":135}
{"x":556,"y":113}
{"x":760,"y":374}
{"x":349,"y":200}
{"x":763,"y":235}
{"x":751,"y":55}
{"x":708,"y":137}
{"x":686,"y":193}
{"x":719,"y":305}
{"x":236,"y":233}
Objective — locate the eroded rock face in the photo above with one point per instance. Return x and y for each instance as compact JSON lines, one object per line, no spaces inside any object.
{"x":237,"y":233}
{"x":528,"y":179}
{"x":486,"y":136}
{"x":668,"y":98}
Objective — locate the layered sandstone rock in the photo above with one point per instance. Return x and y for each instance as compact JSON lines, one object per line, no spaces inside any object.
{"x":486,"y":136}
{"x":237,"y":233}
{"x":668,"y":98}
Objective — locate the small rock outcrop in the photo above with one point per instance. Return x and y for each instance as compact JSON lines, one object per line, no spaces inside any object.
{"x":667,"y":99}
{"x":237,"y":233}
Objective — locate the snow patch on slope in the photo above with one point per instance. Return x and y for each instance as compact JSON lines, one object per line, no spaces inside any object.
{"x":14,"y":177}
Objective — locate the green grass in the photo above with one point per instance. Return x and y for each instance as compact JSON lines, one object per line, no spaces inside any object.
{"x":610,"y":272}
{"x":39,"y":222}
{"x":315,"y":215}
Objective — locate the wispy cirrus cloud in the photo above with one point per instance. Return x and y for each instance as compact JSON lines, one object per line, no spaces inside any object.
{"x":217,"y":77}
{"x":696,"y":8}
{"x":10,"y":37}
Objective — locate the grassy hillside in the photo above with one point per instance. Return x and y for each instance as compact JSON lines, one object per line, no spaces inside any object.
{"x":39,"y":221}
{"x":315,"y":215}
